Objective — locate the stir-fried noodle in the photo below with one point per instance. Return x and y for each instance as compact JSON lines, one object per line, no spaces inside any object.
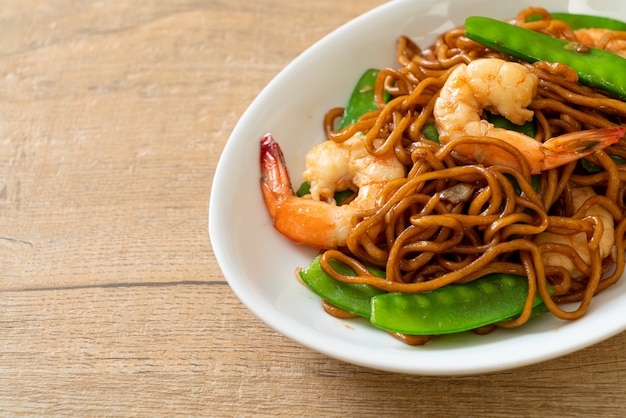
{"x":449,"y":222}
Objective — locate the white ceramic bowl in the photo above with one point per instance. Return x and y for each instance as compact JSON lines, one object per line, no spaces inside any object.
{"x":259,"y":263}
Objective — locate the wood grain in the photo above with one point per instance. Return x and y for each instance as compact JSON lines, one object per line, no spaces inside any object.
{"x":112,"y":119}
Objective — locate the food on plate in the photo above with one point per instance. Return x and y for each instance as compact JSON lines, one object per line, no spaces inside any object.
{"x":477,"y":184}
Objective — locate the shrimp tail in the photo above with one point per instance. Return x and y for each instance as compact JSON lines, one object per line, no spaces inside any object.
{"x":304,"y":221}
{"x":275,"y":182}
{"x":570,"y":147}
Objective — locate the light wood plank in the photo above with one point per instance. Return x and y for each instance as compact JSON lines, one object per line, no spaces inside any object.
{"x":113,"y":116}
{"x":193,"y":349}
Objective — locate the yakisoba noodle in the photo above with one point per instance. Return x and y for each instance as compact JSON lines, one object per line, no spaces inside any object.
{"x":451,"y":222}
{"x":426,"y":233}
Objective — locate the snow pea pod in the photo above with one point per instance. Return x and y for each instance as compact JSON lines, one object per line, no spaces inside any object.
{"x":594,"y":67}
{"x":430,"y":132}
{"x":362,"y":99}
{"x":353,"y":298}
{"x":454,"y":308}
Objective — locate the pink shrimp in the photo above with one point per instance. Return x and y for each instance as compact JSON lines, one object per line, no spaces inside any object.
{"x":506,"y":88}
{"x":319,"y":223}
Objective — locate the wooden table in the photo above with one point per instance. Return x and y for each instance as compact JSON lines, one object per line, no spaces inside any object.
{"x":112,"y":119}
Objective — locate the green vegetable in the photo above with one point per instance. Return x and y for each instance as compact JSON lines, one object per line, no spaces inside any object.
{"x":342,"y":195}
{"x":353,"y":298}
{"x":580,"y":21}
{"x":430,"y":132}
{"x":304,"y":189}
{"x":454,"y":308}
{"x":362,"y":99}
{"x":595,"y":67}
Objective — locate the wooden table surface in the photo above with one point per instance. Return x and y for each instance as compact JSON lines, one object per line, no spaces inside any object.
{"x":113,"y":116}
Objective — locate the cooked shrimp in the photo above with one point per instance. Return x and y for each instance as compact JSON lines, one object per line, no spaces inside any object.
{"x":579,"y":241}
{"x":506,"y":88}
{"x":609,"y":40}
{"x":330,"y":166}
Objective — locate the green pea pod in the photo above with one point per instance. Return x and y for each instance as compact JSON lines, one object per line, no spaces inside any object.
{"x":581,"y":21}
{"x":430,"y":132}
{"x":454,"y":308}
{"x":362,"y":99}
{"x":304,"y":189}
{"x":353,"y":298}
{"x":595,"y":67}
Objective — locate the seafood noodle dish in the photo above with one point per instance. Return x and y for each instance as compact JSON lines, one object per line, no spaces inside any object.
{"x":477,"y":184}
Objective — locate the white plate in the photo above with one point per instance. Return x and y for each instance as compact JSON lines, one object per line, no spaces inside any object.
{"x":259,"y":263}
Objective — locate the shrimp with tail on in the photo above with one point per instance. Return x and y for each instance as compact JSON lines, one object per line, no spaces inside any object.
{"x":331,"y":166}
{"x":506,"y":88}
